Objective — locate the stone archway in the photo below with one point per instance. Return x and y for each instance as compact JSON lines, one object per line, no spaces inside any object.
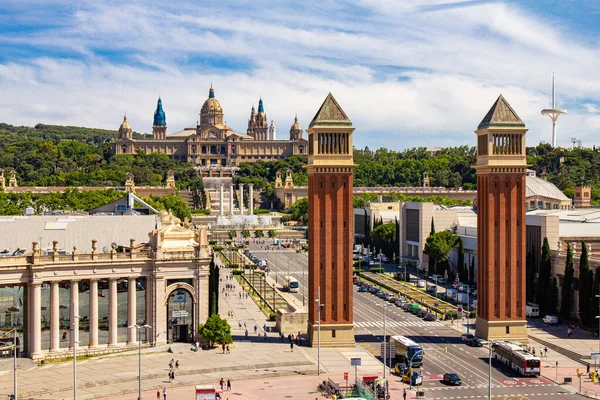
{"x":180,"y":302}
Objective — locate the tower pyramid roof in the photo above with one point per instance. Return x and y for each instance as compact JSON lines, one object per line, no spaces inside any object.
{"x":160,"y":118}
{"x":501,"y":115}
{"x":330,"y":114}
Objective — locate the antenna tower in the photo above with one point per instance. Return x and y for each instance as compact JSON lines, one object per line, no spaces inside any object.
{"x":553,"y":113}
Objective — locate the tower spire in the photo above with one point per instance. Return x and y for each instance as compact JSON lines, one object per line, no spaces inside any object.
{"x":553,"y":113}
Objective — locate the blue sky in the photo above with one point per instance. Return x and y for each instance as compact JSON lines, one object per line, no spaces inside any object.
{"x":408,"y":73}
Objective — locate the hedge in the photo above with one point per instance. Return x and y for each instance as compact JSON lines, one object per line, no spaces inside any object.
{"x":377,"y":270}
{"x":217,"y":248}
{"x":237,"y":271}
{"x":212,"y":242}
{"x":357,"y":271}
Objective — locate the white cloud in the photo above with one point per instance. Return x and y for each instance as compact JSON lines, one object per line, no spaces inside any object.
{"x":404,"y":76}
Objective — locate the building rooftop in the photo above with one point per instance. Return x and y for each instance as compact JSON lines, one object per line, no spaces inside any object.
{"x":539,"y":187}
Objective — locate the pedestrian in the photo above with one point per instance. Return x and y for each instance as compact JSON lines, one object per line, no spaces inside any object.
{"x":545,"y":351}
{"x":165,"y":394}
{"x":240,"y":324}
{"x":259,"y":336}
{"x":228,"y":352}
{"x":228,"y":384}
{"x":172,"y":376}
{"x":158,"y":395}
{"x":246,"y":334}
{"x":223,"y":346}
{"x":222,"y":383}
{"x":281,"y":334}
{"x":292,"y":345}
{"x":255,"y":328}
{"x":541,"y":351}
{"x":533,"y":350}
{"x":244,"y":324}
{"x":588,"y":369}
{"x":171,"y":364}
{"x":177,"y":364}
{"x":404,"y":394}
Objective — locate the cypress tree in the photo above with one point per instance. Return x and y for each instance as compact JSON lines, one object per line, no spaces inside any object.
{"x":544,"y":276}
{"x":460,"y":263}
{"x":583,"y":275}
{"x":472,"y":271}
{"x":367,"y":229}
{"x":213,"y":287}
{"x":590,"y":297}
{"x":553,"y":298}
{"x":432,"y":227}
{"x":567,"y":286}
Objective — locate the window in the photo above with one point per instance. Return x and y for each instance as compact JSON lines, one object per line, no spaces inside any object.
{"x":547,"y":206}
{"x":333,"y":333}
{"x":540,"y":204}
{"x":508,"y":330}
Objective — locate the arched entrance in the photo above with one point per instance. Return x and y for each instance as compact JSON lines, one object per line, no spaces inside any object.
{"x":180,"y":316}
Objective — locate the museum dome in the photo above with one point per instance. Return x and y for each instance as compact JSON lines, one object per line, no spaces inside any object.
{"x":295,"y":130}
{"x":125,"y":125}
{"x":211,"y":105}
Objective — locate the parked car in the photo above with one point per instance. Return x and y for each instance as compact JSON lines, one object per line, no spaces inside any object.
{"x":382,"y":294}
{"x":452,"y":379}
{"x":399,"y":302}
{"x":421,"y":284}
{"x":474,"y":342}
{"x":362,"y":289}
{"x":373,"y":289}
{"x":465,"y":337}
{"x":392,"y":299}
{"x":550,"y":319}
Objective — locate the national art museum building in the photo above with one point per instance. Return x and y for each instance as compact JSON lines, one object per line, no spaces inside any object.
{"x":211,"y":144}
{"x":102,"y":288}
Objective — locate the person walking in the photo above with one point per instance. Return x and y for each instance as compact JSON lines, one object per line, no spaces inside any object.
{"x":222,"y":383}
{"x":228,"y":385}
{"x":173,"y":376}
{"x":292,"y":345}
{"x":404,"y":394}
{"x":228,"y":352}
{"x":171,"y":364}
{"x":165,"y":394}
{"x":158,"y":395}
{"x":223,"y":346}
{"x":177,"y":364}
{"x":255,"y":328}
{"x":545,"y":351}
{"x":246,"y":334}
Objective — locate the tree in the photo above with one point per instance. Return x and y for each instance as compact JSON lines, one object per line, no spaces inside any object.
{"x":272,"y":233}
{"x":259,"y":233}
{"x":472,"y":279}
{"x":553,"y":297}
{"x":383,"y":237}
{"x":172,"y":202}
{"x":566,"y":297}
{"x":432,"y":231}
{"x":216,"y":330}
{"x":544,"y":276}
{"x":583,"y":286}
{"x":299,"y":210}
{"x":213,"y":287}
{"x":438,"y":246}
{"x":463,"y":272}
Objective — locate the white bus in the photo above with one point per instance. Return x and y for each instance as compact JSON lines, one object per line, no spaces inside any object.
{"x":408,"y":351}
{"x":513,"y":356}
{"x":291,"y":284}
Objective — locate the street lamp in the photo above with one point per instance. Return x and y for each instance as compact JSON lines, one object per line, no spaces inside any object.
{"x":14,"y":348}
{"x":75,"y":332}
{"x":446,"y":282}
{"x":384,"y":340}
{"x":468,"y":308}
{"x":435,"y":277}
{"x":139,"y":328}
{"x":490,"y":345}
{"x":319,"y":305}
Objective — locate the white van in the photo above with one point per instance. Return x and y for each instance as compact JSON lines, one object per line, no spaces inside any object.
{"x":532,"y":310}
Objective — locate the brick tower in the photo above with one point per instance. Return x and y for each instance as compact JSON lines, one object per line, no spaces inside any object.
{"x":501,"y":165}
{"x":330,"y":225}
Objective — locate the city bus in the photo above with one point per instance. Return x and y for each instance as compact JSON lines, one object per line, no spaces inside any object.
{"x":291,"y":284}
{"x":513,"y":356}
{"x":408,"y":351}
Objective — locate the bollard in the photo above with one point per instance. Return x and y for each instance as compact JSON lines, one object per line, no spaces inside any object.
{"x":445,"y":349}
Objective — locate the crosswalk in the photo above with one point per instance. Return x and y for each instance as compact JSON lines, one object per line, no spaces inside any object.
{"x":379,"y":324}
{"x":275,"y":251}
{"x":292,"y":272}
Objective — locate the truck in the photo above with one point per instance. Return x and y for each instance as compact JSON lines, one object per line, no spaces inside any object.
{"x":451,"y":294}
{"x":532,"y":310}
{"x":461,"y":298}
{"x":407,"y":351}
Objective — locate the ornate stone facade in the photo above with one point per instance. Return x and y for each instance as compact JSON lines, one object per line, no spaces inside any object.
{"x":164,"y":284}
{"x":211,"y":144}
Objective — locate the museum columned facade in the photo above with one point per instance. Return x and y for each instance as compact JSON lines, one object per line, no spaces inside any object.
{"x":211,"y":144}
{"x":53,"y":299}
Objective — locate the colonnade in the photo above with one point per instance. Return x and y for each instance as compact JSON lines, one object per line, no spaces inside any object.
{"x":35,"y":333}
{"x":241,"y":197}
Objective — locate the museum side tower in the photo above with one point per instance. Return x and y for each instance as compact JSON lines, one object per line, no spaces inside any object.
{"x":501,"y":165}
{"x":330,"y":225}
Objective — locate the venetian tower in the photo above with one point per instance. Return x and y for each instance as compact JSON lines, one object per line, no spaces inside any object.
{"x":501,"y":166}
{"x":159,"y":126}
{"x":330,"y":226}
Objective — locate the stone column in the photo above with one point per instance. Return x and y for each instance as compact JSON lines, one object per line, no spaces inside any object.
{"x":241,"y":199}
{"x":250,"y":199}
{"x":150,"y":310}
{"x":112,"y":312}
{"x":74,"y":307}
{"x":221,"y":201}
{"x":36,"y":320}
{"x":131,"y":310}
{"x":231,"y":200}
{"x":54,"y":317}
{"x":93,"y":313}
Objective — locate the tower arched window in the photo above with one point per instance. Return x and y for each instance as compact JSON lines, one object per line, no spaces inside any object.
{"x":124,"y":149}
{"x":203,"y":149}
{"x":301,"y":149}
